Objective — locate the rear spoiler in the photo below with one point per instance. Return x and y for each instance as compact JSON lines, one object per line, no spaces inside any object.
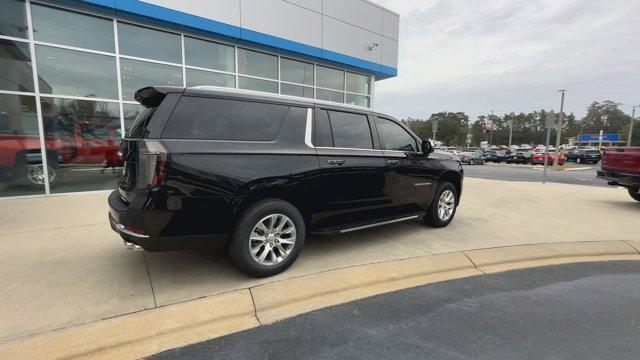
{"x":152,"y":96}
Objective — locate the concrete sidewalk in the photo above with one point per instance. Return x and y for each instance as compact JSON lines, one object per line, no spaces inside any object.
{"x":61,"y":265}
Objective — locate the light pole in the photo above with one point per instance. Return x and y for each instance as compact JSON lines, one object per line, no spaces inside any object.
{"x":510,"y":131}
{"x":434,"y":126}
{"x":559,"y":133}
{"x":633,"y":117}
{"x":490,"y":130}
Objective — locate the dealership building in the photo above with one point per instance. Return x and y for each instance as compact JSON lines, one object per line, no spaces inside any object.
{"x":69,"y":70}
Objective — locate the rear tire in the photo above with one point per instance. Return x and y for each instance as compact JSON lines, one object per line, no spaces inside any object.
{"x":272,"y":215}
{"x":635,"y":193}
{"x":435,"y":216}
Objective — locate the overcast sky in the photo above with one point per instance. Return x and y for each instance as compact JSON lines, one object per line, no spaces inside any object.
{"x":512,"y":55}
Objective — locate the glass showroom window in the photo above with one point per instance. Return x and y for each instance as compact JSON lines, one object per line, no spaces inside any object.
{"x":138,"y":74}
{"x":257,"y":64}
{"x":357,"y":100}
{"x":329,"y":95}
{"x":130,"y":112}
{"x":360,"y":84}
{"x":72,"y":29}
{"x":21,"y":171}
{"x":76,"y":73}
{"x":13,"y":19}
{"x":296,"y":71}
{"x":257,"y":84}
{"x":200,"y":77}
{"x":330,"y":78}
{"x":296,"y":90}
{"x":147,"y":43}
{"x":15,"y":66}
{"x":210,"y":55}
{"x":83,"y":138}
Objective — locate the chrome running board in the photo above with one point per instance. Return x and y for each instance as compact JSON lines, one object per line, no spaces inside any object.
{"x":378,"y":224}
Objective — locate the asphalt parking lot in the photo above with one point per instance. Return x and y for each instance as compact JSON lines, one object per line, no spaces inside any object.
{"x":575,"y":311}
{"x":583,"y":175}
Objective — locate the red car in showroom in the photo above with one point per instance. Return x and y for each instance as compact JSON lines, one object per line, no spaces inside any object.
{"x":21,"y":158}
{"x":538,"y":158}
{"x":84,"y":143}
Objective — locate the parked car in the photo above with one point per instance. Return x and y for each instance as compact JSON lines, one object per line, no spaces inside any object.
{"x":67,"y":143}
{"x":519,"y":156}
{"x":496,"y":156}
{"x":21,"y":157}
{"x":585,"y":156}
{"x":538,"y":158}
{"x":207,"y":167}
{"x":621,"y":167}
{"x":453,"y":150}
{"x":471,"y":158}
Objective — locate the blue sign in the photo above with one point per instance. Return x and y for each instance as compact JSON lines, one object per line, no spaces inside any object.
{"x":596,"y":137}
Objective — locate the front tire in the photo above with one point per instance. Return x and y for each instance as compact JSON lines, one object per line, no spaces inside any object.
{"x":635,"y":193}
{"x":443,"y":207}
{"x":268,"y":238}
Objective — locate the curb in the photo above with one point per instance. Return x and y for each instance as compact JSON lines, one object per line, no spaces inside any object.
{"x":151,"y":331}
{"x":551,"y":168}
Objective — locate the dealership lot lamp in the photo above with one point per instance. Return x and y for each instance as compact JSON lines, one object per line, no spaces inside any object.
{"x":434,"y":125}
{"x":549,"y":123}
{"x":633,"y":118}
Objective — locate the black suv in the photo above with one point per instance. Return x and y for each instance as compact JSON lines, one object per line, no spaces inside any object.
{"x":207,"y":167}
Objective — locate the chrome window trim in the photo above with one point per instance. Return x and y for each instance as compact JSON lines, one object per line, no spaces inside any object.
{"x":307,"y":130}
{"x":308,"y":139}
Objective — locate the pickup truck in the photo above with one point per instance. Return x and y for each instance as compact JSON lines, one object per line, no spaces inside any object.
{"x":621,"y":167}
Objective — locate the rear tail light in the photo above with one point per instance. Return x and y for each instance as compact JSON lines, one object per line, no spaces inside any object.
{"x":157,"y":160}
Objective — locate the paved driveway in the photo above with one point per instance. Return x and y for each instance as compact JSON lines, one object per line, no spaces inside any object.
{"x":575,"y":311}
{"x":61,"y":265}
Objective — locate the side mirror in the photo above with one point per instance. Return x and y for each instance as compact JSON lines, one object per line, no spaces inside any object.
{"x":427,"y":147}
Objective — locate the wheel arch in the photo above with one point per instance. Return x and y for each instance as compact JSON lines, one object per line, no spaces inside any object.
{"x":296,"y":194}
{"x":454,"y":178}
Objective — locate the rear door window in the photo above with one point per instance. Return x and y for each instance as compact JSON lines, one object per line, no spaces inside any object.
{"x":322,"y":129}
{"x":350,"y":130}
{"x":224,"y":119}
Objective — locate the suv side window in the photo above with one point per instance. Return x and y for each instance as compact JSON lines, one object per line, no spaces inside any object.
{"x":322,"y":129}
{"x":350,"y":130}
{"x":394,"y":137}
{"x":223,"y":119}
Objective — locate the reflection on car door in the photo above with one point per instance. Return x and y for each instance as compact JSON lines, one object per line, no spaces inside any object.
{"x":410,"y":177}
{"x":351,"y":170}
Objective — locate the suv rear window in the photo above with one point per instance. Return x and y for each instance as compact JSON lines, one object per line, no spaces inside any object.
{"x":223,"y":119}
{"x":139,"y":126}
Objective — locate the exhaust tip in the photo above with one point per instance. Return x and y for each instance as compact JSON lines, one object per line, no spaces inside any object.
{"x":132,"y":246}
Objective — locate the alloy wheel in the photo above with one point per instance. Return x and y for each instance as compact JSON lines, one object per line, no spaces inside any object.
{"x":446,"y":205}
{"x":272,"y":239}
{"x":35,"y":174}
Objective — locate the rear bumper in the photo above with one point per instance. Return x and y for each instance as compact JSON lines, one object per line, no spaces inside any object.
{"x":618,"y":178}
{"x":141,"y":228}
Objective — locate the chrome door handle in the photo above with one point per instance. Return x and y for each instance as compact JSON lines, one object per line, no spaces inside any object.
{"x":393,"y":162}
{"x":335,"y":162}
